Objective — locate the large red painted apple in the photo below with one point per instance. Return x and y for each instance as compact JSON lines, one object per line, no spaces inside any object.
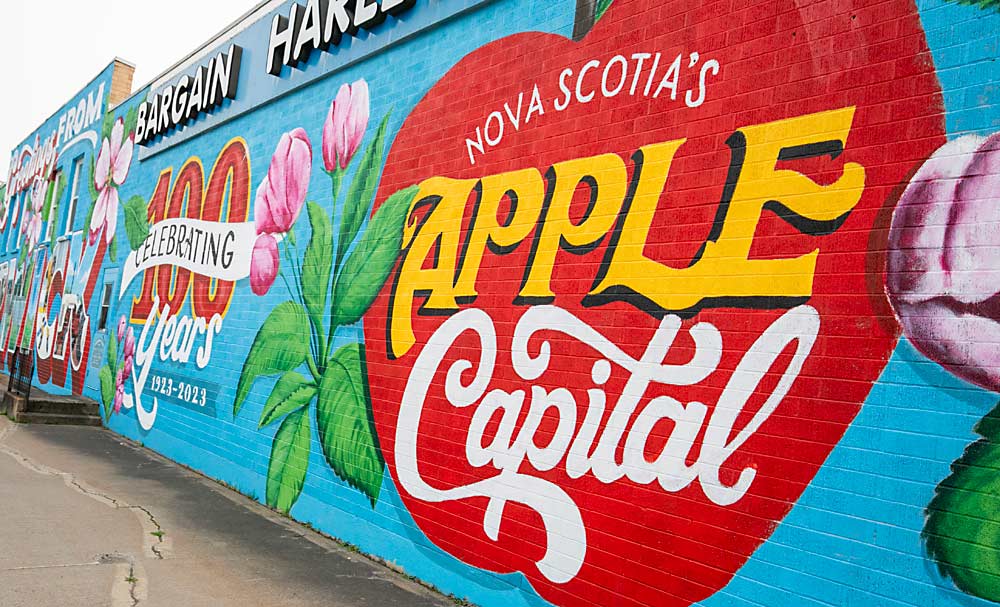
{"x":640,"y":294}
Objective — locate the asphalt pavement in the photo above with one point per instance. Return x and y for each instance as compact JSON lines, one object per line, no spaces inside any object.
{"x":90,"y":519}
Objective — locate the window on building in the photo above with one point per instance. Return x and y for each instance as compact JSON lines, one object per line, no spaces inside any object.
{"x":53,"y":208}
{"x":102,"y":318}
{"x":21,"y":219}
{"x":74,"y":194}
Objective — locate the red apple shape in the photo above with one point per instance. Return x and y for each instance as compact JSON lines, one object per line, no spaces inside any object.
{"x":644,"y":544}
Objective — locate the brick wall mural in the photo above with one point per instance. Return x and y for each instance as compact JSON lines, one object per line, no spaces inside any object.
{"x":633,"y":302}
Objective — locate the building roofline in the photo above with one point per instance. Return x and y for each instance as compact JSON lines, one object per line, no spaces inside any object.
{"x":25,"y":139}
{"x":234,"y":27}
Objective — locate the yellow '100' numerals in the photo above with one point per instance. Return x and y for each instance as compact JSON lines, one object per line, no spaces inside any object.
{"x":438,"y":265}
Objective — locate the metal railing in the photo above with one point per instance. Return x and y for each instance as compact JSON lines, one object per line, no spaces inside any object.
{"x":22,"y":368}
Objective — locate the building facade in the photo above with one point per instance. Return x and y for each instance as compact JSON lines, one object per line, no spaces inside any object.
{"x":626,"y":302}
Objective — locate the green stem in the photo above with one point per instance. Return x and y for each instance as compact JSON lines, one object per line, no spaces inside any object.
{"x":336,"y":176}
{"x":312,"y":368}
{"x":287,"y":286}
{"x":333,"y":291}
{"x":292,"y":254}
{"x":317,"y":336}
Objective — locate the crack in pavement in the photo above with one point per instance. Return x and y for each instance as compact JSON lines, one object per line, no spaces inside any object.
{"x":132,"y":582}
{"x":159,"y":547}
{"x":129,"y":587}
{"x":159,"y":534}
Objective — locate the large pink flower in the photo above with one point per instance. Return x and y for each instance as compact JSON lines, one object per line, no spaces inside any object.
{"x":345,"y":125}
{"x":38,"y":193}
{"x":944,"y":259}
{"x":32,"y":224}
{"x":283,"y":191}
{"x":32,"y":227}
{"x":113,"y":162}
{"x":264,"y":262}
{"x":128,"y":349}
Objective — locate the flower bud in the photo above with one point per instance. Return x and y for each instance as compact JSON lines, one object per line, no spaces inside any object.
{"x":943,"y":272}
{"x":345,"y":125}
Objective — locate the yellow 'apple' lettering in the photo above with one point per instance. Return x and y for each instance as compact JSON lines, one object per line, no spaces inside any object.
{"x":722,"y":274}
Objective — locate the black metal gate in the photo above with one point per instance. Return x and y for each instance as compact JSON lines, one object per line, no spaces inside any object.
{"x":21,"y":370}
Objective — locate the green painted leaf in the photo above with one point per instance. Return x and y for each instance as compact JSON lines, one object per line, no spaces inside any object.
{"x":112,"y":357}
{"x":602,"y":7}
{"x":286,"y":472}
{"x":362,"y":190}
{"x":106,"y":126}
{"x":47,"y":204}
{"x":131,"y":118}
{"x":92,"y":183}
{"x":93,"y":195}
{"x":317,"y":266}
{"x":962,"y":529}
{"x":346,"y":428}
{"x":113,"y":248}
{"x":290,"y":393}
{"x":107,"y":389}
{"x":281,"y":344}
{"x":370,"y":263}
{"x":136,"y":221}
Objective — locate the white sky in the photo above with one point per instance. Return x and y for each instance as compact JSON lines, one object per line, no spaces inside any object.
{"x":51,"y":48}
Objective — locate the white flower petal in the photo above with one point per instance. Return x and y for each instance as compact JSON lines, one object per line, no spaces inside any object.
{"x":122,"y":162}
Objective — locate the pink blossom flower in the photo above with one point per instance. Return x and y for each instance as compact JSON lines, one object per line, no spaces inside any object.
{"x":110,"y":171}
{"x":345,"y":125}
{"x":32,"y":229}
{"x":283,"y":191}
{"x":264,"y":262}
{"x":127,"y":366}
{"x":119,"y":378}
{"x":943,"y":273}
{"x":121,"y":328}
{"x":129,"y":348}
{"x":119,"y":396}
{"x":32,"y":225}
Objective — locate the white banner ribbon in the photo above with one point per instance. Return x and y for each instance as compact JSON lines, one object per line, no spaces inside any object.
{"x":210,"y":248}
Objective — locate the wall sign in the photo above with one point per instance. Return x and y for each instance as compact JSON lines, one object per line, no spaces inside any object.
{"x":36,"y":161}
{"x":321,"y":24}
{"x":190,"y":96}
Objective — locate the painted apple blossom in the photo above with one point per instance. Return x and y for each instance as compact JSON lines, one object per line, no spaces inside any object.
{"x":944,"y":247}
{"x":110,"y":171}
{"x":345,"y":125}
{"x":279,"y":201}
{"x":118,"y":367}
{"x":331,"y":286}
{"x":31,"y":226}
